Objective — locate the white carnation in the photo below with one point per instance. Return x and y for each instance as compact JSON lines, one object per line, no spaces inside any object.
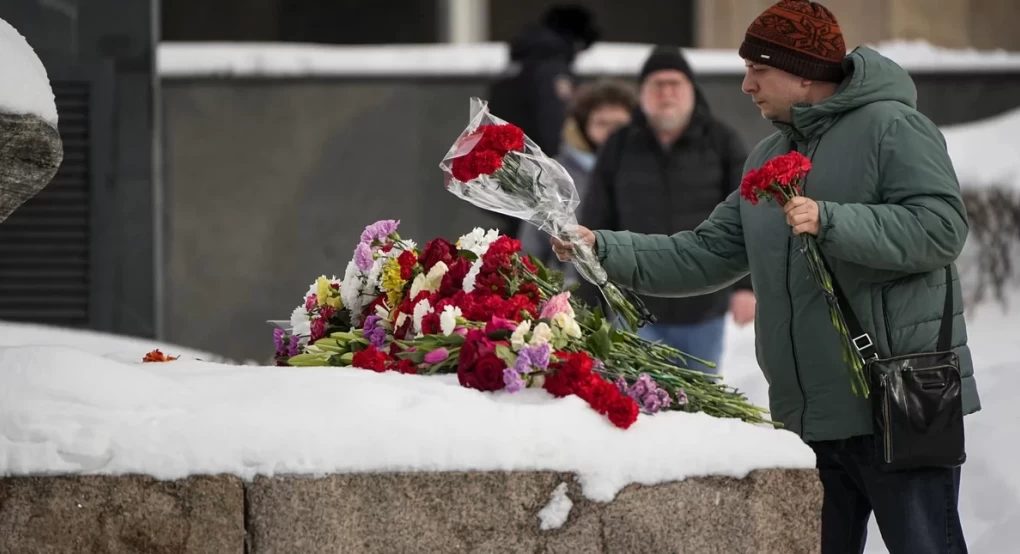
{"x":517,"y":338}
{"x":541,"y":335}
{"x":418,"y":285}
{"x":421,"y":309}
{"x":435,"y":277}
{"x":299,"y":323}
{"x":350,"y":289}
{"x":472,"y":274}
{"x":448,"y":319}
{"x":568,"y":325}
{"x":478,"y":240}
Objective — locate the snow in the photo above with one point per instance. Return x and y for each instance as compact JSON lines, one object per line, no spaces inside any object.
{"x":556,"y":512}
{"x":26,"y":86}
{"x":986,"y":153}
{"x":115,"y":347}
{"x":240,"y":59}
{"x":64,"y":410}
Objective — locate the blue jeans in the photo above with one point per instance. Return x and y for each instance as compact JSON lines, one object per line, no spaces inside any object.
{"x":702,"y":340}
{"x":916,"y":511}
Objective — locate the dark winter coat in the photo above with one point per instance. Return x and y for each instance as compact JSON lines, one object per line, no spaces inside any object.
{"x":640,"y":186}
{"x":891,"y":217}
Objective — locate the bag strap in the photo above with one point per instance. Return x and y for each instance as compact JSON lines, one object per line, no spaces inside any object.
{"x":862,"y":340}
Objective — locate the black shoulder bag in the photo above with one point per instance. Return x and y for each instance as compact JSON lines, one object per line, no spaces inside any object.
{"x":916,"y":398}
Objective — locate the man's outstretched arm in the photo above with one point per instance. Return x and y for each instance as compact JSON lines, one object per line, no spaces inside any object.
{"x":688,"y":263}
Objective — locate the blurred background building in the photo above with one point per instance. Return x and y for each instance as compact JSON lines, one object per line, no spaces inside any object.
{"x":221,"y":154}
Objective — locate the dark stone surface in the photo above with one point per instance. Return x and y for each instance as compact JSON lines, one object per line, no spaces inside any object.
{"x":30,"y":154}
{"x":121,"y":515}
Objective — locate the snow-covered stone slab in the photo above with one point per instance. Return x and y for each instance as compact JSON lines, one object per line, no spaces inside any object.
{"x":30,"y":147}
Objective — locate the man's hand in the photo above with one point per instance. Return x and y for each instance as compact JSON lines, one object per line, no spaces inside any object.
{"x":802,"y":215}
{"x":565,"y":250}
{"x":743,"y":304}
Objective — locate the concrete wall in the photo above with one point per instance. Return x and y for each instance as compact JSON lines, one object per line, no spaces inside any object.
{"x":983,"y":24}
{"x":269,"y":182}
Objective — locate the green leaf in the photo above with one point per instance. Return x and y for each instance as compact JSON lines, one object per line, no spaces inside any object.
{"x":502,"y":334}
{"x":468,"y":254}
{"x":504,"y":353}
{"x":599,"y":342}
{"x":418,"y":356}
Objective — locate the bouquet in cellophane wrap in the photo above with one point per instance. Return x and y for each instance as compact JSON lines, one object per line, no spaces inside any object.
{"x":496,"y":167}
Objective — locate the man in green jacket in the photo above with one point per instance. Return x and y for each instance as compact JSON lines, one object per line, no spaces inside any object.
{"x":884,"y":202}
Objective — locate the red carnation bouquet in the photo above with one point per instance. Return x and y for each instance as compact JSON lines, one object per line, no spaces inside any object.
{"x":781,"y":179}
{"x":495,"y":166}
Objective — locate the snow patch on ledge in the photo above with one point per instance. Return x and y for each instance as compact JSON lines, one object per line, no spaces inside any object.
{"x":66,"y":411}
{"x":24,"y":84}
{"x":557,"y":511}
{"x":224,"y":59}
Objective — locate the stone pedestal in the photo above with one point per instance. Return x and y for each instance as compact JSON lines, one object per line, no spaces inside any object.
{"x":769,"y":512}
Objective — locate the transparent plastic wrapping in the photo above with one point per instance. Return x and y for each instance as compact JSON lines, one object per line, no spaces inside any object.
{"x":495,"y":166}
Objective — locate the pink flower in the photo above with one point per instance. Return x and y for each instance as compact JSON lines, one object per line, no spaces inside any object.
{"x":311,"y":302}
{"x":438,"y":355}
{"x":499,"y":324}
{"x":559,"y":304}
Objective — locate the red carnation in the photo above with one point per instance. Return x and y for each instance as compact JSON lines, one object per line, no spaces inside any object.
{"x":531,"y":291}
{"x":501,"y":138}
{"x":478,"y":367}
{"x":371,"y":358}
{"x":476,"y":163}
{"x":788,"y":168}
{"x":517,"y":306}
{"x":623,"y":411}
{"x":407,"y":259}
{"x":526,"y":260}
{"x":438,"y":250}
{"x":453,"y":281}
{"x":403,"y":366}
{"x":492,"y":283}
{"x":430,"y":324}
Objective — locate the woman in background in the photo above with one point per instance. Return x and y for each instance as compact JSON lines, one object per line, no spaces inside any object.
{"x":597,"y":110}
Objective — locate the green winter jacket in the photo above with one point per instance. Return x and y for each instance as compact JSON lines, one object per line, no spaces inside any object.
{"x":892,"y":218}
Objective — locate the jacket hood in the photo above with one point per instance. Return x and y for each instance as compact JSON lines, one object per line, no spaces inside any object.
{"x":870,"y":77}
{"x":540,"y":43}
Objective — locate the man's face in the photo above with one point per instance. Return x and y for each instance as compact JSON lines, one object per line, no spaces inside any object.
{"x":773,"y":90}
{"x":667,"y":98}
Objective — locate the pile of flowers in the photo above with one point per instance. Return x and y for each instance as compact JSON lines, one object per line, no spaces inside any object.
{"x":498,"y":319}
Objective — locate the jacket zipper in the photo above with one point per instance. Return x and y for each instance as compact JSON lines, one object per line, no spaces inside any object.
{"x":793,"y":340}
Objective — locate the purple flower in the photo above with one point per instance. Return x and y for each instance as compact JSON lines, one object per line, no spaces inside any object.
{"x":621,"y":384}
{"x":379,"y":230}
{"x":532,"y":357}
{"x":363,"y":257}
{"x":373,"y":332}
{"x":681,"y":397}
{"x":512,"y":380}
{"x":652,"y":403}
{"x":437,"y":356}
{"x":295,"y":346}
{"x":278,"y":335}
{"x":286,"y":345}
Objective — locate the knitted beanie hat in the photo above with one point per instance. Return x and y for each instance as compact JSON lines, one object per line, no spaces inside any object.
{"x":665,"y":57}
{"x":799,"y":37}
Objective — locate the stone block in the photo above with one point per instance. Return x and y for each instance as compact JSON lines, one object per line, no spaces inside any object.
{"x":121,"y":515}
{"x":30,"y":154}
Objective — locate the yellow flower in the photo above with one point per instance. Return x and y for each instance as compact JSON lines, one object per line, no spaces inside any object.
{"x":322,"y":290}
{"x":391,"y":283}
{"x":335,"y":302}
